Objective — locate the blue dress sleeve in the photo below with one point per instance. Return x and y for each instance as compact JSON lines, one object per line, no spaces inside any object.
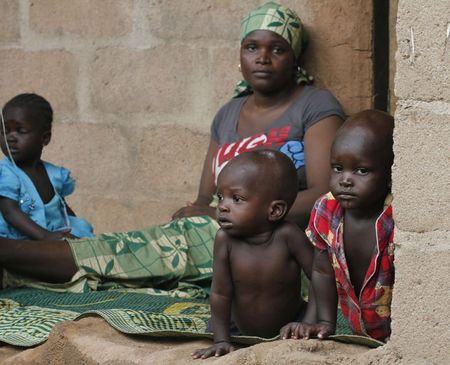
{"x":68,"y":183}
{"x":61,"y":179}
{"x":9,"y":183}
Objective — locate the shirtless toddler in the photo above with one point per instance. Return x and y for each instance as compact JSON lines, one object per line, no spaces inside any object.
{"x":258,"y":256}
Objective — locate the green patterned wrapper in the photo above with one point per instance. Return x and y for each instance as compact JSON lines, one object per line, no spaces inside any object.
{"x":180,"y":251}
{"x":176,"y":257}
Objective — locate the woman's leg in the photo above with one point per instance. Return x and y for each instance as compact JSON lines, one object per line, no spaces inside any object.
{"x":50,"y":261}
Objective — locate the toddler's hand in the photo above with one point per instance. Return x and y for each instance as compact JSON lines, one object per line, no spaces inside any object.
{"x":297,"y":330}
{"x":290,"y":331}
{"x":218,"y":349}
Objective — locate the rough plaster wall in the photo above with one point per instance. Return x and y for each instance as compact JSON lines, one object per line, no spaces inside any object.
{"x":421,"y":185}
{"x":135,"y":85}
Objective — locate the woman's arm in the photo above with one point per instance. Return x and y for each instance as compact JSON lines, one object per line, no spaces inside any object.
{"x":206,"y":189}
{"x":19,"y":220}
{"x":318,"y":140}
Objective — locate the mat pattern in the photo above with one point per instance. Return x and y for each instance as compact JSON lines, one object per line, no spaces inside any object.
{"x":27,"y":315}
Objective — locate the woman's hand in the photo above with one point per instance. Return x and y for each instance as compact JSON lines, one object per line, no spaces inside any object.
{"x":194,"y":210}
{"x":218,"y":349}
{"x":206,"y":190}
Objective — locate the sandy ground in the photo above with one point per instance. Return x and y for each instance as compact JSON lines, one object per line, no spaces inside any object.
{"x":92,"y":341}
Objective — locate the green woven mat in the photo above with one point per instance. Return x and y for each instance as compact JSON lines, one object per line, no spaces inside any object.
{"x":28,"y":315}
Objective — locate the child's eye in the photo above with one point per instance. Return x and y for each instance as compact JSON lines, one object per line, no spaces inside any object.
{"x":23,"y":130}
{"x":336,"y":168}
{"x":362,"y":171}
{"x":237,"y":198}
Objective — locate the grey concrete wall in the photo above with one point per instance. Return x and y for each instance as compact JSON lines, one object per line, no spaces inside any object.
{"x":135,"y":85}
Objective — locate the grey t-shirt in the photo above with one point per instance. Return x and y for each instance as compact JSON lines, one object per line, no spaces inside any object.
{"x":284,"y":134}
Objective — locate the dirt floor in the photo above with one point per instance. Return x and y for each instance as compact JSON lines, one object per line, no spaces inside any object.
{"x":92,"y":341}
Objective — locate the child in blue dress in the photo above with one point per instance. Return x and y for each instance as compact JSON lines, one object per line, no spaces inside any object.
{"x":32,"y":191}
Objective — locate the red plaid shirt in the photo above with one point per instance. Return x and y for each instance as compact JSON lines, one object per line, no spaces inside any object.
{"x":370,"y":314}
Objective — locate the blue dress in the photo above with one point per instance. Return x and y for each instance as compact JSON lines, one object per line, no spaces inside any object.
{"x":16,"y":185}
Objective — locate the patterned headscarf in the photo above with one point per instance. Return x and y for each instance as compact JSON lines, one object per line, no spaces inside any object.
{"x":282,"y":21}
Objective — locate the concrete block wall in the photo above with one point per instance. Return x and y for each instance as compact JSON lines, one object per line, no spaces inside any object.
{"x":421,"y":185}
{"x":135,"y":85}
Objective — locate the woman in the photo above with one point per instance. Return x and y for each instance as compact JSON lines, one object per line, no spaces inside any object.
{"x":275,"y":108}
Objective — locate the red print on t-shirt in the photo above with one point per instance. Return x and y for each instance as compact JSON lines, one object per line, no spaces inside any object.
{"x":275,"y":137}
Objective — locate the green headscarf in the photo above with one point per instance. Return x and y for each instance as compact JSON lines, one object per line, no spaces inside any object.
{"x":282,"y":21}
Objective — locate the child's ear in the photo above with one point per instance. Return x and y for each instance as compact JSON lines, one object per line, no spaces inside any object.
{"x":277,"y":210}
{"x":46,"y":137}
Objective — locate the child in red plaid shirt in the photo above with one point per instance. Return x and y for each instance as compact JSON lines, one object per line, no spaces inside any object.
{"x":352,"y":229}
